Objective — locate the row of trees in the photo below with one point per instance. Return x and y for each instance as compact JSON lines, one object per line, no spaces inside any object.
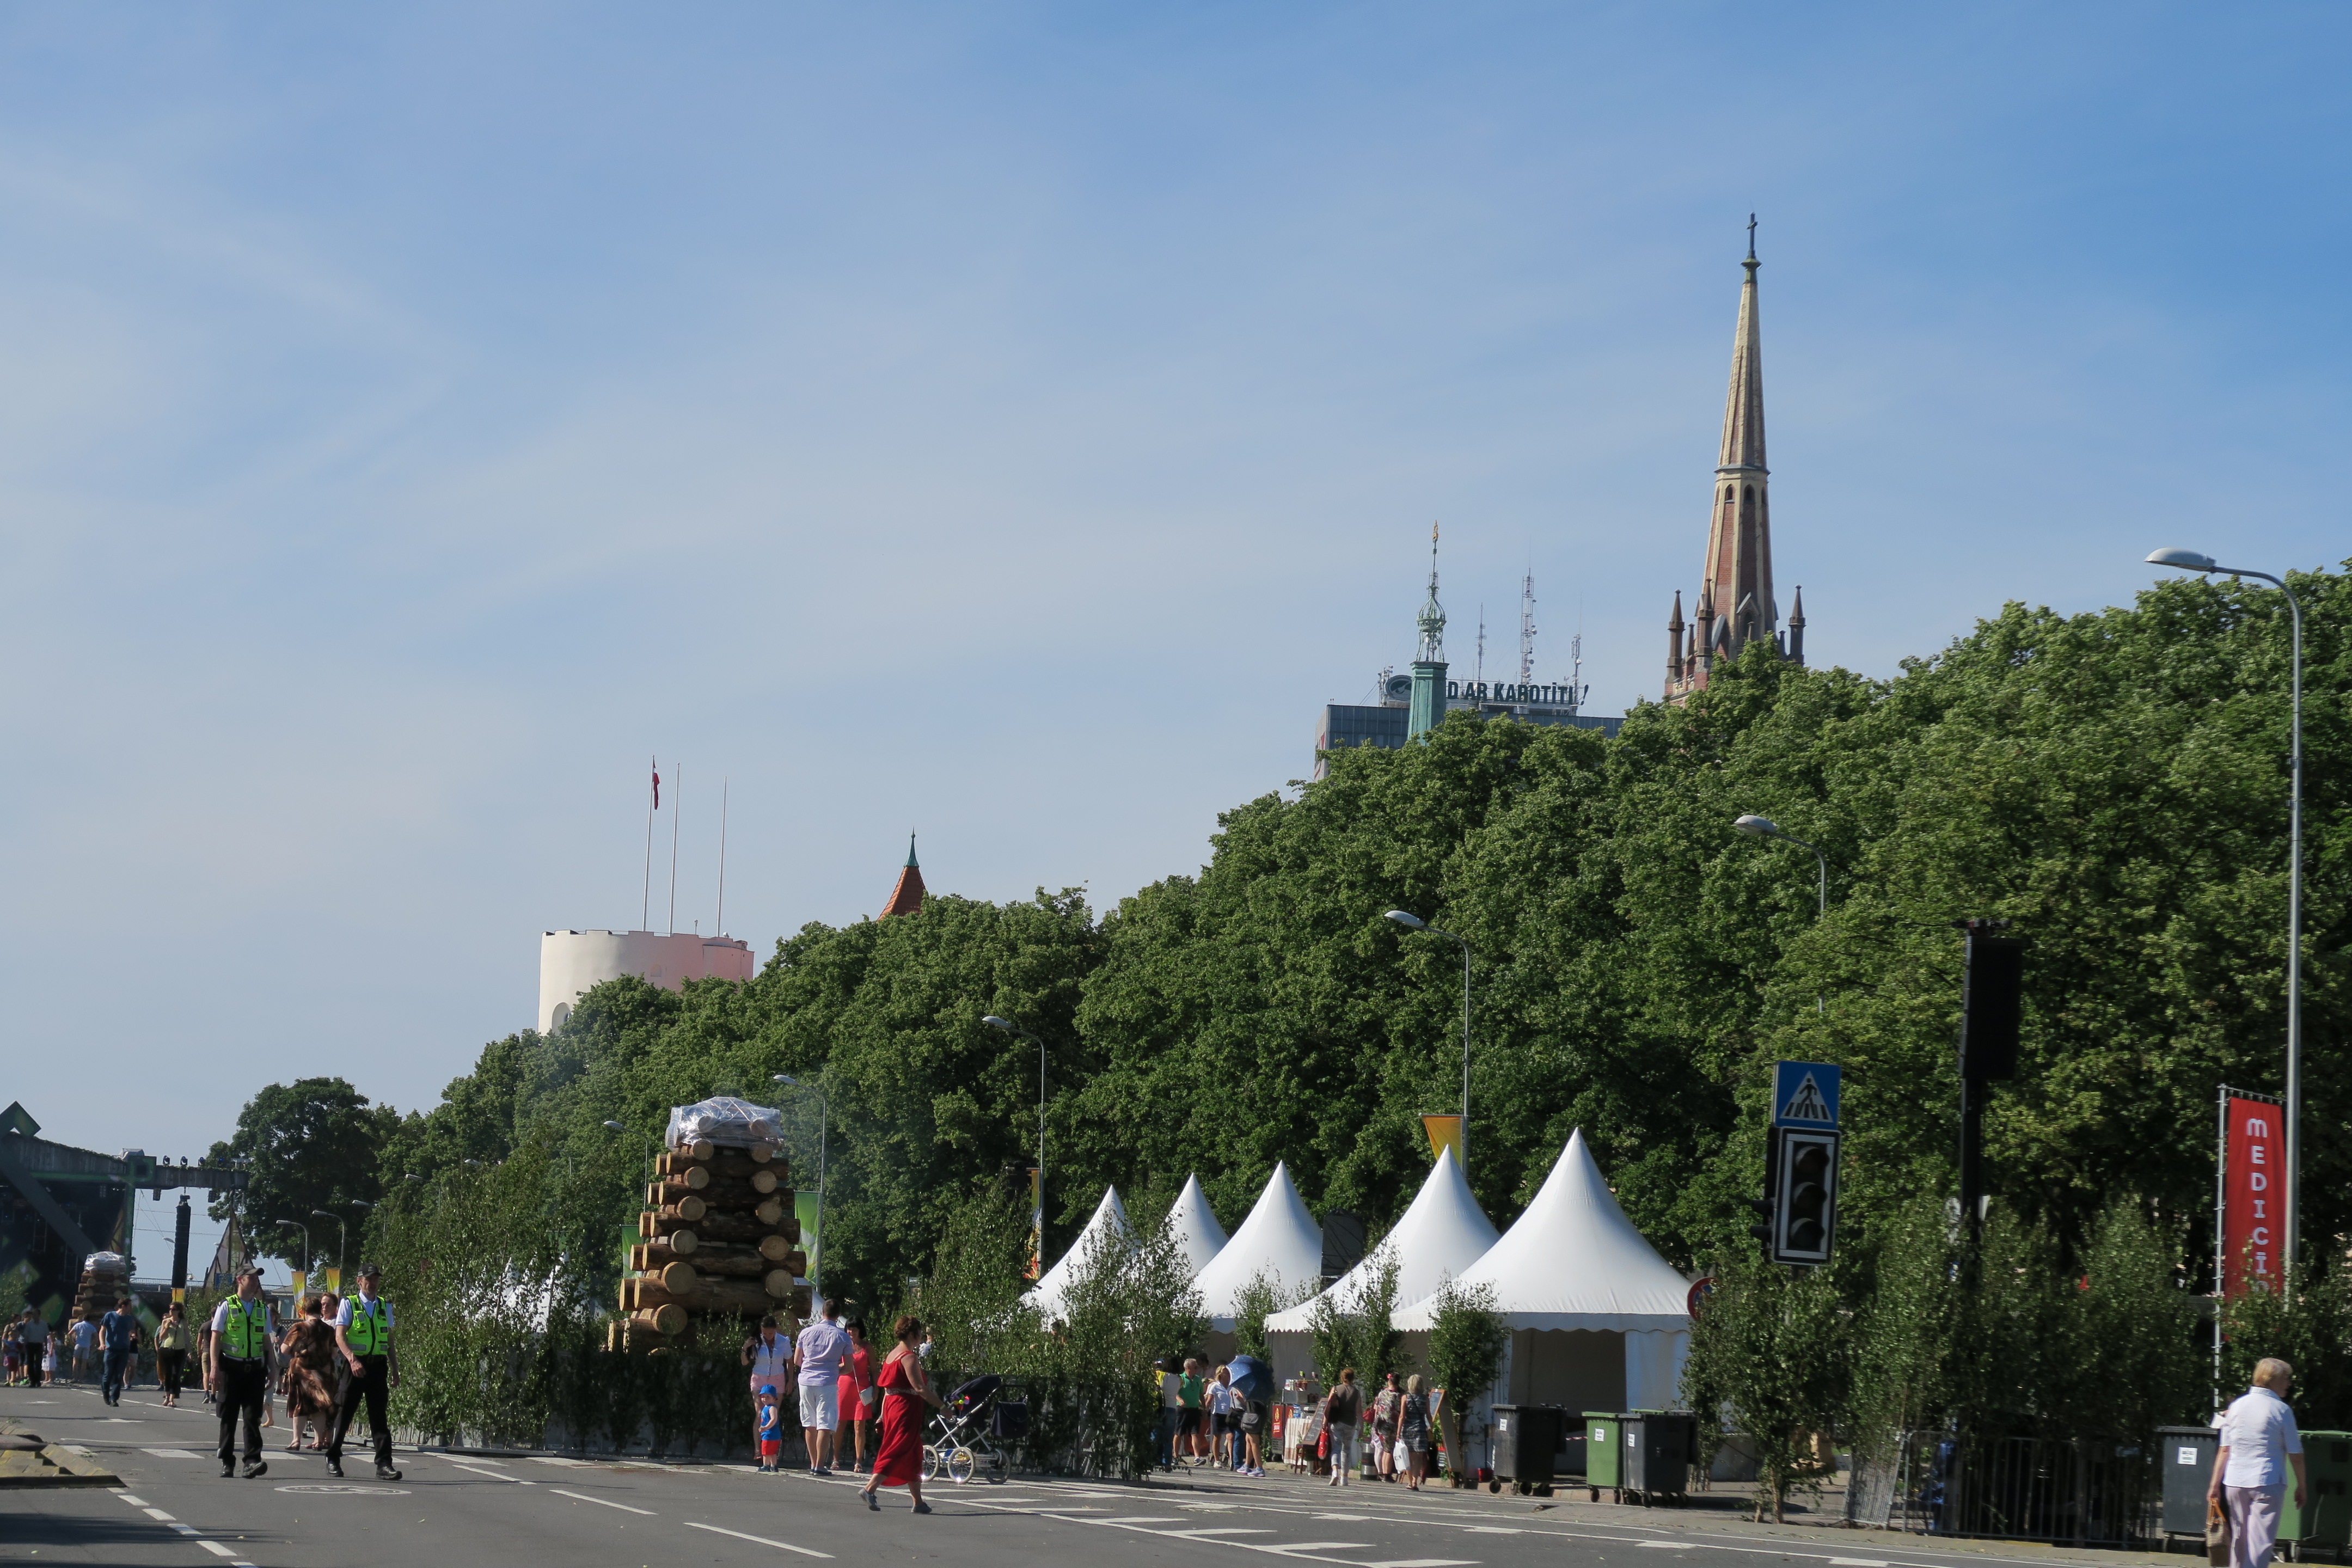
{"x":2110,"y":784}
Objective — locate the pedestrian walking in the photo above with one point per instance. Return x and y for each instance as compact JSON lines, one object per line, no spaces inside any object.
{"x":11,"y":1354}
{"x":857,"y":1396}
{"x":1343,"y":1408}
{"x":1192,"y":1410}
{"x":1224,"y":1419}
{"x":173,"y":1339}
{"x":1386,"y":1406}
{"x":311,"y":1383}
{"x":1171,"y":1410}
{"x":769,"y":1354}
{"x":242,"y":1327}
{"x":118,"y":1344}
{"x":907,"y":1398}
{"x":2259,"y":1443}
{"x":84,"y":1335}
{"x":370,"y":1371}
{"x":820,"y":1355}
{"x":32,"y":1335}
{"x":1412,"y":1430}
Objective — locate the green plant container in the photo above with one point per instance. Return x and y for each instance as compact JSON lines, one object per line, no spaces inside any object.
{"x":1604,"y":1462}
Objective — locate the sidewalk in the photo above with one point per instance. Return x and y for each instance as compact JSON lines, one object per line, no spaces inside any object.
{"x":1817,"y":1520}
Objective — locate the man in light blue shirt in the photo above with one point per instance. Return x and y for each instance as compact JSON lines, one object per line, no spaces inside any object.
{"x":821,"y":1356}
{"x":2259,"y":1441}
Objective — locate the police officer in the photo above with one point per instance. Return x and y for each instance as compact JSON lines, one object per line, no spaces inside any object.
{"x":243,"y":1332}
{"x":370,"y":1367}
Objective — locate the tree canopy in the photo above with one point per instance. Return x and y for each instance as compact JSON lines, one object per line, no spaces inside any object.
{"x":2113,"y":785}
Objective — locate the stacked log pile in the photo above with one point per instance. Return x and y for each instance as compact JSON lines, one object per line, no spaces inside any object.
{"x":103,"y":1283}
{"x":717,"y":1239}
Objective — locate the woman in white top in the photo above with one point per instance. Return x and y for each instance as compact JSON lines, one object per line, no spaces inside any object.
{"x":2259,"y":1442}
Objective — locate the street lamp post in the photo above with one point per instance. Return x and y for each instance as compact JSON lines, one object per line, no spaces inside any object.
{"x":342,"y":1239}
{"x":305,"y":1229}
{"x":1764,"y":827}
{"x":816,"y":1243}
{"x":1414,"y":922}
{"x":2291,"y":1220}
{"x":1037,"y":1207}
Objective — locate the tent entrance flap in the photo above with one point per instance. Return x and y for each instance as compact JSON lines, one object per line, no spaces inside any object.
{"x":1654,"y":1370}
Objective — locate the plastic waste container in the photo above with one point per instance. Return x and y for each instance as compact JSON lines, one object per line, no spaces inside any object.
{"x":2186,"y":1454}
{"x":1603,"y":1455}
{"x":1656,"y":1458}
{"x":1526,"y":1443}
{"x":2326,"y":1517}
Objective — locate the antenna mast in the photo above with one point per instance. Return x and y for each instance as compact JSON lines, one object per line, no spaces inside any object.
{"x":1528,"y":626}
{"x":1478,"y":667}
{"x":645,"y":908}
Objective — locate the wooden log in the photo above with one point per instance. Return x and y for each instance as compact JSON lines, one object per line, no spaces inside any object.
{"x":667,"y":1319}
{"x":726,"y":1191}
{"x":739,"y":1165}
{"x":733,"y":1297}
{"x":735,"y":1262}
{"x":781,"y":1283}
{"x":749,"y":1229}
{"x":688,"y":1210}
{"x":693,"y":1179}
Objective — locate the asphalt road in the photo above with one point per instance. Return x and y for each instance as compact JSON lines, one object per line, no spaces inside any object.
{"x":458,"y":1510}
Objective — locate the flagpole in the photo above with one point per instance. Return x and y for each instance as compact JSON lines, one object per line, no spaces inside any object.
{"x":646,"y":912}
{"x":719,"y":926}
{"x":676,"y":810}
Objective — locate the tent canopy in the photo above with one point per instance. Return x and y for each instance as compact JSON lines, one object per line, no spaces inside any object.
{"x":1194,"y":1226}
{"x":1443,"y":1233}
{"x":1280,"y":1240}
{"x":1573,"y":1260}
{"x":1109,"y":1224}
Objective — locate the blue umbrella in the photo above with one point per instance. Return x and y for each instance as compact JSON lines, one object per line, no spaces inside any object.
{"x":1252,"y":1377}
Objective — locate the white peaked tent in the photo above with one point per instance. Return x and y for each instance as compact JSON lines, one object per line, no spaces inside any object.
{"x":1573,"y":1266}
{"x":1194,"y":1226}
{"x":1280,"y":1240}
{"x":1109,"y":1225}
{"x":1443,"y":1233}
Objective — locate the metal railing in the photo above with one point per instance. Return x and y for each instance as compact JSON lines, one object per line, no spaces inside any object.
{"x":2067,"y":1492}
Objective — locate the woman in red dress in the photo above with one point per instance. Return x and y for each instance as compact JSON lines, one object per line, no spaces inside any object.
{"x":907,"y":1398}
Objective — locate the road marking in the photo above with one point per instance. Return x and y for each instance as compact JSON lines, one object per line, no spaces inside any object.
{"x":1670,"y":1545}
{"x":547,"y":1460}
{"x":1857,"y":1562}
{"x":1423,"y":1562}
{"x":1212,"y":1531}
{"x":215,"y":1547}
{"x":492,"y":1474}
{"x":607,"y":1502}
{"x":184,"y":1529}
{"x":332,"y":1490}
{"x":1513,"y":1530}
{"x":1139,"y":1519}
{"x":159,"y":1513}
{"x":1321,"y":1546}
{"x":172,"y":1453}
{"x":1345,"y":1517}
{"x":761,"y":1540}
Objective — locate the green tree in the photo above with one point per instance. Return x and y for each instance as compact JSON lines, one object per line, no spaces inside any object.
{"x":315,"y":1143}
{"x":1467,"y":1340}
{"x":1772,"y":1347}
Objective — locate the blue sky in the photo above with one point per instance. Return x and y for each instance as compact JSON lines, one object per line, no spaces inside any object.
{"x":1010,"y":422}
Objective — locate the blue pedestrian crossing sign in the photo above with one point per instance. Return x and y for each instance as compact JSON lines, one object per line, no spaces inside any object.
{"x":1805,"y":1094}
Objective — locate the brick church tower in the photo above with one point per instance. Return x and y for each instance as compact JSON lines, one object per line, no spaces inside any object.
{"x":1736,"y":605}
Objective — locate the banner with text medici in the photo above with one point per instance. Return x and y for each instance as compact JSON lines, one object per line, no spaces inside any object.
{"x":2253,"y":1176}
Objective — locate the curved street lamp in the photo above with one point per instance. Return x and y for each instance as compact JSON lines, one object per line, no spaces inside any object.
{"x":1414,"y":922}
{"x":1764,"y":827}
{"x":2290,"y":1222}
{"x":305,"y":1229}
{"x":342,"y":1239}
{"x":1038,"y":1208}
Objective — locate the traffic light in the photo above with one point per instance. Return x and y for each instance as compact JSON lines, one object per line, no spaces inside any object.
{"x":1803,"y":1196}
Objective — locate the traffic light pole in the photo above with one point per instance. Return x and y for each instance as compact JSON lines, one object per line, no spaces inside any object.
{"x":1974,"y":1092}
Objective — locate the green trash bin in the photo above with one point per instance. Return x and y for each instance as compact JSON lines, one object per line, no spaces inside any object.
{"x":2326,"y":1517}
{"x":1604,"y":1450}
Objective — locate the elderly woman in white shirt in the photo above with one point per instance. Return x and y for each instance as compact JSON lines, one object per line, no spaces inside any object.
{"x":2259,"y":1442}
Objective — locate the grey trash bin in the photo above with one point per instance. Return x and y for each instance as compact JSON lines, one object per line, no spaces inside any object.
{"x":2186,"y":1455}
{"x":1526,"y":1443}
{"x":1657,"y":1458}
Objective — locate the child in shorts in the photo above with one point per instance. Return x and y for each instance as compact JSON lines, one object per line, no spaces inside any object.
{"x":771,"y":1432}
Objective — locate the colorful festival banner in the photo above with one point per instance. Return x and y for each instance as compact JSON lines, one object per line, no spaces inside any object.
{"x":2253,"y":1174}
{"x":1445,"y":1133}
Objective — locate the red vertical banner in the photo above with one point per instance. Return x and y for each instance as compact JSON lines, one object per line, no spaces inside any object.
{"x":2253,"y":1178}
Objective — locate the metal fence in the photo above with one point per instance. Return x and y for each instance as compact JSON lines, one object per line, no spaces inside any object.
{"x":2067,"y":1492}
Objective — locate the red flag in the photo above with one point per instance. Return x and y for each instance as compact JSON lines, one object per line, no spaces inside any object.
{"x":656,"y":785}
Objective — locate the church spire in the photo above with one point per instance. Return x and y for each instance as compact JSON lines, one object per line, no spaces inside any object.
{"x":906,"y":897}
{"x":1736,"y":605}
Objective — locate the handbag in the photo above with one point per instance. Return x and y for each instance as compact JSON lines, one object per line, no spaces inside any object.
{"x":2216,"y":1533}
{"x":1402,"y":1455}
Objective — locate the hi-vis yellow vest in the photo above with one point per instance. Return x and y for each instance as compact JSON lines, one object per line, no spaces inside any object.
{"x":371,"y":1327}
{"x":244,"y":1332}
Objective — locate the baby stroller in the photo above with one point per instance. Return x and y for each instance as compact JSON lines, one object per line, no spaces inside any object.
{"x":961,"y":1443}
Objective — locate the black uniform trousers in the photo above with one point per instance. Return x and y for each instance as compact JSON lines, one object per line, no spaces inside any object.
{"x":242,"y":1385}
{"x":372,"y":1382}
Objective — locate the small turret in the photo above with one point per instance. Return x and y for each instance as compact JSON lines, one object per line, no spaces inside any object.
{"x":906,"y":897}
{"x":1675,"y":642}
{"x":1796,"y":628}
